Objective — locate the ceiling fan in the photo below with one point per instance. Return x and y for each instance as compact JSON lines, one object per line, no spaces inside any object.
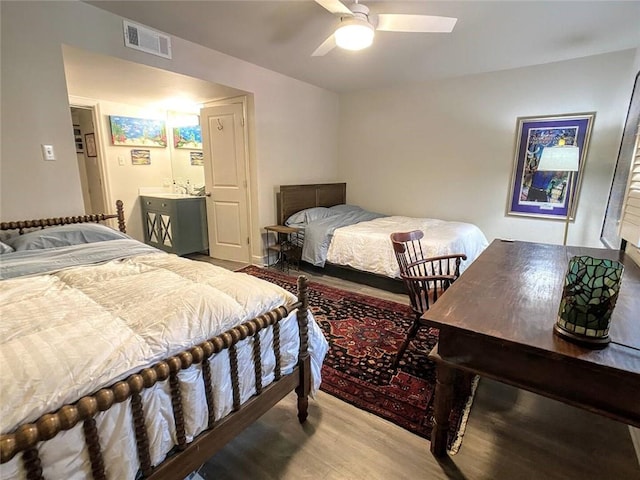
{"x":357,"y":28}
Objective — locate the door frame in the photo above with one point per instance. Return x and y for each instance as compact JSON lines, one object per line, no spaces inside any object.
{"x":94,"y":106}
{"x":255,"y":239}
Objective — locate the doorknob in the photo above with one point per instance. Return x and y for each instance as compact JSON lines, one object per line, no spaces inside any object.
{"x":207,"y":194}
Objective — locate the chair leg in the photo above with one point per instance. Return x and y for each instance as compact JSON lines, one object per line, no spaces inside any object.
{"x":410,"y":336}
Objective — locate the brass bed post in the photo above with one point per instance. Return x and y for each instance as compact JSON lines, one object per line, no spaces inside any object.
{"x":146,"y":379}
{"x":235,"y":379}
{"x":176,"y":363}
{"x":120,"y":213}
{"x":276,"y":351}
{"x":207,"y":350}
{"x":32,"y":464}
{"x":304,"y":362}
{"x":257,"y":362}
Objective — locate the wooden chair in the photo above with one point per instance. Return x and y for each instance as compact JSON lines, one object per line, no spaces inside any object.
{"x":424,"y":278}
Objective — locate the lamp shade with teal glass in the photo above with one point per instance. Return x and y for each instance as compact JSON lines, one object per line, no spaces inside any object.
{"x":589,"y":295}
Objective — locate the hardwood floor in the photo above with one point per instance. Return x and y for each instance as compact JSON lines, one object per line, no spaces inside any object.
{"x":511,"y":434}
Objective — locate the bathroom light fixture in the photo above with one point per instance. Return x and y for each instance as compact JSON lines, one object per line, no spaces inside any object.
{"x":354,"y":34}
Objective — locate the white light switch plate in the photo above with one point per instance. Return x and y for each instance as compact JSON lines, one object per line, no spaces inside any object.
{"x":48,"y":153}
{"x":121,"y":160}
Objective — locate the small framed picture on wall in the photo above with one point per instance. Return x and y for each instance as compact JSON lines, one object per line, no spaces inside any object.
{"x":77,"y":135}
{"x":90,"y":142}
{"x":196,"y":158}
{"x":140,"y":157}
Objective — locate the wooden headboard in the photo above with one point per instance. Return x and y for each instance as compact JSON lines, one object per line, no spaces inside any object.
{"x":293,"y":198}
{"x":50,"y":222}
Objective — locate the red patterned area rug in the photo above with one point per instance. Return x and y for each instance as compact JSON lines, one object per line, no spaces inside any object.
{"x":364,"y":334}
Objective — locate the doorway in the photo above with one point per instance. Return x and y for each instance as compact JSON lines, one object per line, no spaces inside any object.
{"x":94,"y":81}
{"x":91,"y":178}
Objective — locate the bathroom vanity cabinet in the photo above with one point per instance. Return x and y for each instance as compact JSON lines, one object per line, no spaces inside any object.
{"x":175,"y":223}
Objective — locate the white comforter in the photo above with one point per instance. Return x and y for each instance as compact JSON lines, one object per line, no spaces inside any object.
{"x":67,"y":334}
{"x":367,"y":246}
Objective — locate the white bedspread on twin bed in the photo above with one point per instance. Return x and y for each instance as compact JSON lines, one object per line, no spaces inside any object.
{"x":367,"y":246}
{"x":67,"y":334}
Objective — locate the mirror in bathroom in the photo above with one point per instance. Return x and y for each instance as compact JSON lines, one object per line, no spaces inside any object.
{"x":186,"y":149}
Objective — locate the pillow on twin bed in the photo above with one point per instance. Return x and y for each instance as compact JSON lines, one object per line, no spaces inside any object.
{"x":64,"y":236}
{"x":344,"y":208}
{"x":309,"y":215}
{"x":4,"y":248}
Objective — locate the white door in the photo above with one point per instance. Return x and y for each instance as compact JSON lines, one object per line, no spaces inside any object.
{"x":225,"y":172}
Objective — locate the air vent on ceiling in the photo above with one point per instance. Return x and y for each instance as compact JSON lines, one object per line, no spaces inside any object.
{"x":147,"y":40}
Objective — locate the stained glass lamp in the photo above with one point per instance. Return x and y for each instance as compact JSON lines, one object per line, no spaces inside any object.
{"x":590,"y":292}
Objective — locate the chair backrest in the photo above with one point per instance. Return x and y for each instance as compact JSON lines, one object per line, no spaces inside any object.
{"x":425,"y":278}
{"x":407,"y":247}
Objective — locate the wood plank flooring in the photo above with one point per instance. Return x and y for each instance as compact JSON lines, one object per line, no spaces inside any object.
{"x":511,"y":434}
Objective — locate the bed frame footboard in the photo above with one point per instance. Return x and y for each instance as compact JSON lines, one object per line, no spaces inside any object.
{"x":187,"y":457}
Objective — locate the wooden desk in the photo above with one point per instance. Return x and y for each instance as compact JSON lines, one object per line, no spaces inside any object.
{"x":497,"y":321}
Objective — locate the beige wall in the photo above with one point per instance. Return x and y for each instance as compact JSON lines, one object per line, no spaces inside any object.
{"x":446,"y":149}
{"x":296,"y":124}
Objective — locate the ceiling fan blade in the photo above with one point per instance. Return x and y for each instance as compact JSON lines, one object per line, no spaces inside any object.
{"x":335,"y":6}
{"x":391,"y":22}
{"x":328,"y":45}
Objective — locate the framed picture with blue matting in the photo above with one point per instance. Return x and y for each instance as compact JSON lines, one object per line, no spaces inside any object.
{"x":547,"y":194}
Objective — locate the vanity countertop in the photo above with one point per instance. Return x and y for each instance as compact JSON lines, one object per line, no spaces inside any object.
{"x":170,"y":195}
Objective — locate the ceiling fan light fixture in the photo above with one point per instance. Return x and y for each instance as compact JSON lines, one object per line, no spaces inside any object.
{"x":354,"y":34}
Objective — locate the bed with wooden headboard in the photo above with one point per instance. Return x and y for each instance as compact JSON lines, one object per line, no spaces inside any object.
{"x":372,"y":237}
{"x":135,"y":363}
{"x":294,"y":198}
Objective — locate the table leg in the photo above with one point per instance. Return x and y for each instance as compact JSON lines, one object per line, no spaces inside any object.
{"x":445,"y":377}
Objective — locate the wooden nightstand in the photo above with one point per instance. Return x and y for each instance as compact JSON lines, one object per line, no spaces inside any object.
{"x":286,"y":246}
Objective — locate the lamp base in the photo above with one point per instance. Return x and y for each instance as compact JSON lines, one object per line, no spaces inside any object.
{"x":583,"y":340}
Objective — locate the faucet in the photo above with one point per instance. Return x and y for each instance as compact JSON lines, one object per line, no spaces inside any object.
{"x":178,"y":186}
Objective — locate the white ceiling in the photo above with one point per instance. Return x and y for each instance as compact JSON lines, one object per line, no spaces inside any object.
{"x":95,"y":76}
{"x":489,"y":36}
